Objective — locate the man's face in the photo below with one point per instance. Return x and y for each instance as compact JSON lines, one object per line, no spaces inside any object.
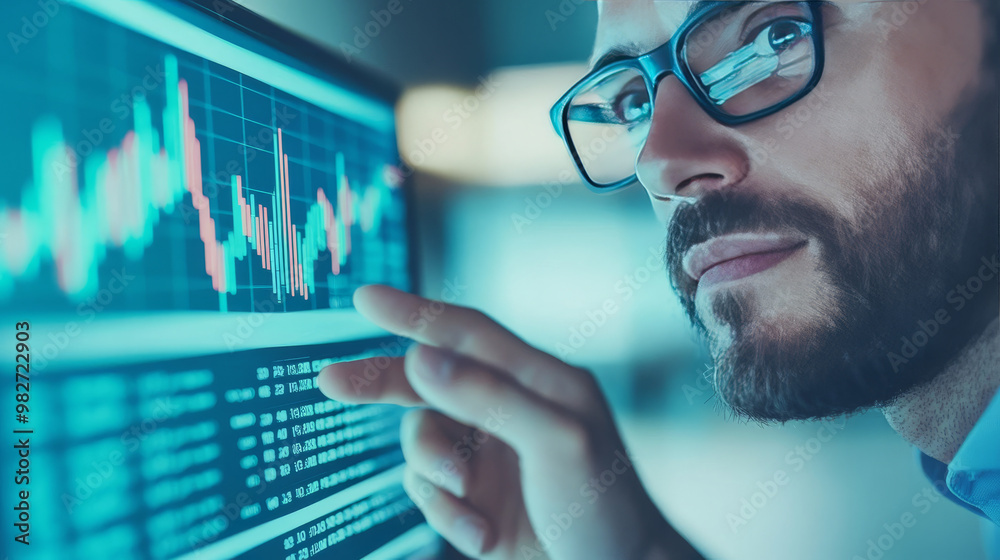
{"x":811,"y":241}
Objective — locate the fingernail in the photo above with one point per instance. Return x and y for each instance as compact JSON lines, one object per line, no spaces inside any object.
{"x":452,"y":477}
{"x":434,"y":364}
{"x":325,"y":382}
{"x":470,"y":531}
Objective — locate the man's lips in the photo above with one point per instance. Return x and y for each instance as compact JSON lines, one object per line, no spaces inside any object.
{"x":734,"y":256}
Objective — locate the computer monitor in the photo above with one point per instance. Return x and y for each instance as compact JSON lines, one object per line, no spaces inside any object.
{"x":191,"y":194}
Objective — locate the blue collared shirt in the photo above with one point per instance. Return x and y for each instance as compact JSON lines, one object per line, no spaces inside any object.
{"x":972,"y":479}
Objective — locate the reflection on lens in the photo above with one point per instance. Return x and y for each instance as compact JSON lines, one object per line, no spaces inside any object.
{"x":754,"y":56}
{"x":607,"y":124}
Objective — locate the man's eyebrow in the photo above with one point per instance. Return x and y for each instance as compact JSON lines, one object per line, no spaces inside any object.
{"x":616,"y":53}
{"x":632,"y":50}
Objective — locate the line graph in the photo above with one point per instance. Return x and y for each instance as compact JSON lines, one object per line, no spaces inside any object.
{"x":304,"y":236}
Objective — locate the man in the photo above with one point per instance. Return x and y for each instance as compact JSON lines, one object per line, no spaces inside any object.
{"x":837,"y":258}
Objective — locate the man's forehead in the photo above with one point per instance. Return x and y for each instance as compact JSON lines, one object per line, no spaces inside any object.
{"x":632,"y":27}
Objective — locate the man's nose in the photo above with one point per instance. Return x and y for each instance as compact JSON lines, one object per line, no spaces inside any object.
{"x":687,"y":153}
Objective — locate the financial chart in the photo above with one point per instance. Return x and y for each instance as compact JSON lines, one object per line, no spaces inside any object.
{"x":206,"y":188}
{"x":185,"y":213}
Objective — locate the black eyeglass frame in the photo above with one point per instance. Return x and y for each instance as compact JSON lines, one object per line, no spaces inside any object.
{"x":667,"y":59}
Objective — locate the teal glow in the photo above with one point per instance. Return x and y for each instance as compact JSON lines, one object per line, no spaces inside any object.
{"x":167,"y":28}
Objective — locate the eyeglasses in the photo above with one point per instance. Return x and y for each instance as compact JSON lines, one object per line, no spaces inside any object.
{"x":741,"y":61}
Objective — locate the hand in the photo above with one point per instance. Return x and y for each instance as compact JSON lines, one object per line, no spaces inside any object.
{"x":514,"y":453}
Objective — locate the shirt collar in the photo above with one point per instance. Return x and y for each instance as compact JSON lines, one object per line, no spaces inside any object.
{"x":981,"y":448}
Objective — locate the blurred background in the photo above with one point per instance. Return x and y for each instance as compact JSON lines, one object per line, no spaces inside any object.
{"x":506,"y":227}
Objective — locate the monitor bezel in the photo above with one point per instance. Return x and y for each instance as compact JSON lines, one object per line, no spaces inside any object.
{"x":314,"y":54}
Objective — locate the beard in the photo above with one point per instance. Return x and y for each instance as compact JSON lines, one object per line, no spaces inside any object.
{"x":888,"y":273}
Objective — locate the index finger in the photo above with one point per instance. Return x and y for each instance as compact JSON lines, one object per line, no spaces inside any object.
{"x":371,"y":380}
{"x":473,"y":334}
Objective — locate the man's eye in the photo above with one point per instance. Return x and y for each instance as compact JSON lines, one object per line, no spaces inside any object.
{"x":779,"y":35}
{"x":784,"y":34}
{"x":631,"y":105}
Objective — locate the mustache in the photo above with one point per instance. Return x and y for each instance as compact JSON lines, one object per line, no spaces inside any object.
{"x":723,"y":212}
{"x":731,"y":211}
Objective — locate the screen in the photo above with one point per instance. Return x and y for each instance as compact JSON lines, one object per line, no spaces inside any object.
{"x":186,"y":210}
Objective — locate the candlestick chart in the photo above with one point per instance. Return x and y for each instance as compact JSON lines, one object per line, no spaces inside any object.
{"x":199,"y":188}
